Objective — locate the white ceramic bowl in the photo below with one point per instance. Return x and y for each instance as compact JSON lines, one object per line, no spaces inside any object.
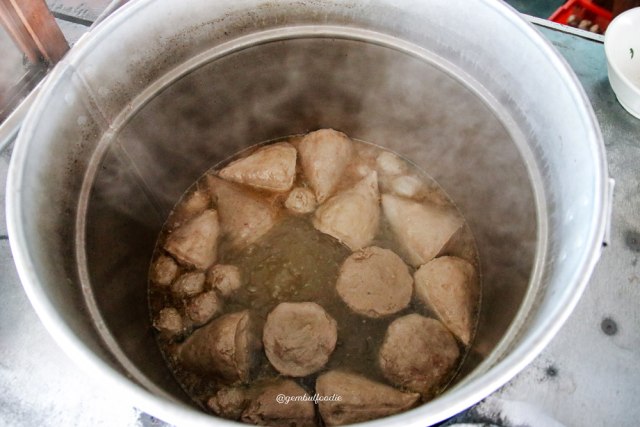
{"x":622,"y":48}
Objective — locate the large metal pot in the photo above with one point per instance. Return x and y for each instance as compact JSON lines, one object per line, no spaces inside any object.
{"x":162,"y":90}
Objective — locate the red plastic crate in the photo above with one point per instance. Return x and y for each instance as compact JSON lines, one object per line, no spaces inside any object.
{"x":582,"y":9}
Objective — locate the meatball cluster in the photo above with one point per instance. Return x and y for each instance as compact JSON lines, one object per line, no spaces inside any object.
{"x":424,"y":296}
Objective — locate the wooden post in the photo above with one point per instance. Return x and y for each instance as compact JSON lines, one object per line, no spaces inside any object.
{"x":34,"y":30}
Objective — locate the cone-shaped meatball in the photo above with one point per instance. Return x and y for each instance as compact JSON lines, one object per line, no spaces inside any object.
{"x":245,"y":216}
{"x":449,"y":287}
{"x":375,"y":282}
{"x":360,"y":398}
{"x":418,"y":354}
{"x":196,"y":242}
{"x":190,"y":206}
{"x":268,"y":410}
{"x":352,"y":216}
{"x":270,"y":168}
{"x":422,"y":229}
{"x":224,"y":348}
{"x":324,"y":154}
{"x":299,"y":338}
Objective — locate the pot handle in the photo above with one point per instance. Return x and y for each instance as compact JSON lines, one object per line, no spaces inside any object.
{"x":611,"y":183}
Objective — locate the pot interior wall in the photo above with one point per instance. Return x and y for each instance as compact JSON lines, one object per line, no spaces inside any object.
{"x":371,"y":92}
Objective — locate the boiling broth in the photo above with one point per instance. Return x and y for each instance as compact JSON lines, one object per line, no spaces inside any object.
{"x":294,"y":262}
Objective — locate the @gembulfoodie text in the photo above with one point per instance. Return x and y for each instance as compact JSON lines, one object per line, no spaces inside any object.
{"x":284,"y":399}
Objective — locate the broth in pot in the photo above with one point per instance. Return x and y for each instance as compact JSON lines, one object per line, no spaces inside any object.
{"x":314,"y":272}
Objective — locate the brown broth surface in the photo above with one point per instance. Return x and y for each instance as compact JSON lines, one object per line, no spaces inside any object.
{"x":294,"y":262}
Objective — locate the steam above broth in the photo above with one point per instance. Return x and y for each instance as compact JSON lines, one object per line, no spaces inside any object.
{"x":317,"y":265}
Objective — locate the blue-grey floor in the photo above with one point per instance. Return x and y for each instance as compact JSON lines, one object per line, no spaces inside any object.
{"x":539,"y":8}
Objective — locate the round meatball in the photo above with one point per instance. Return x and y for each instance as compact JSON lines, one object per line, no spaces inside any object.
{"x":164,"y":271}
{"x":299,"y":338}
{"x":418,"y":354}
{"x":375,"y":282}
{"x":390,"y":164}
{"x":406,"y":186}
{"x":301,"y":201}
{"x":169,"y":321}
{"x":229,"y":402}
{"x":224,"y":278}
{"x":189,"y":284}
{"x":203,"y":307}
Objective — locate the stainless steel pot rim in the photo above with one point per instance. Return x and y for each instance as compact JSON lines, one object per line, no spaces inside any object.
{"x":452,"y":402}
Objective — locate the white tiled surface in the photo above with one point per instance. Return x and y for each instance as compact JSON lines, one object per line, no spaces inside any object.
{"x":39,"y":385}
